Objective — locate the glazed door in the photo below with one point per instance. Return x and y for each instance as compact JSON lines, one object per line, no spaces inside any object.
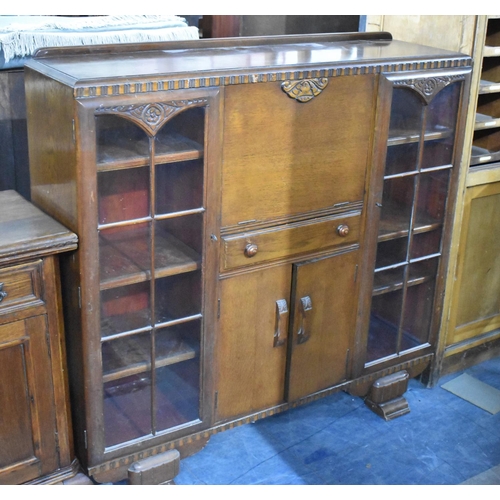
{"x":413,"y":207}
{"x":154,"y":222}
{"x":323,"y":323}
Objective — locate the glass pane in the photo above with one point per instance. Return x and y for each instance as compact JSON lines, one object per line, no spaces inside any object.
{"x":388,"y":280}
{"x":177,"y":374}
{"x":125,"y":308}
{"x":178,"y":244}
{"x":384,"y":324}
{"x":391,"y":252}
{"x":126,"y":366}
{"x":437,"y":153}
{"x":431,"y":199}
{"x":123,"y":194}
{"x":397,"y":202}
{"x":427,"y":243}
{"x":181,"y":138}
{"x":419,"y":304}
{"x":178,"y":296}
{"x":442,"y":112}
{"x":120,"y":143}
{"x":423,"y":270}
{"x":406,"y":116}
{"x":179,"y":186}
{"x":401,"y":158}
{"x":124,"y":255}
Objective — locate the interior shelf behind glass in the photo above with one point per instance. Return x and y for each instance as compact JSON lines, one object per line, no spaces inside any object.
{"x":127,"y":154}
{"x":125,"y":256}
{"x":131,"y":355}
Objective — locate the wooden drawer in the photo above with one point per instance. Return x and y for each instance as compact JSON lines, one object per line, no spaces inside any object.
{"x":20,"y":286}
{"x":289,"y":240}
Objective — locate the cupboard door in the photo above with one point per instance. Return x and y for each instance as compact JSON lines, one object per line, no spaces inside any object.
{"x":252,"y":341}
{"x":27,"y":410}
{"x":323,"y":324}
{"x":412,"y":238}
{"x":476,"y":305}
{"x":152,"y":168}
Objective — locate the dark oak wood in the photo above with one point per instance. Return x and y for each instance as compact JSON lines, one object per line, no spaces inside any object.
{"x":227,"y":197}
{"x":36,"y":433}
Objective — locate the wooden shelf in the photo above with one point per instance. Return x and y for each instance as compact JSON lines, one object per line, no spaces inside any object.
{"x":485,"y":121}
{"x":406,"y":137}
{"x":482,"y":155}
{"x":125,"y":261}
{"x":395,"y":225}
{"x":491,"y":51}
{"x":124,"y":153}
{"x":487,"y":87}
{"x":388,"y":281}
{"x":128,"y":356}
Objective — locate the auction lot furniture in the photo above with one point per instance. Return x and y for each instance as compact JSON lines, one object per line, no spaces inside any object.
{"x":262,"y":222}
{"x":35,"y":431}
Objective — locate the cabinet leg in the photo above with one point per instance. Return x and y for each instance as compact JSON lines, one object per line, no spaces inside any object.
{"x":385,"y":397}
{"x":158,"y":469}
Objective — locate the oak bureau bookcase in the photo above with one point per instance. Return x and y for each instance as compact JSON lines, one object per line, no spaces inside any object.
{"x":262,"y":222}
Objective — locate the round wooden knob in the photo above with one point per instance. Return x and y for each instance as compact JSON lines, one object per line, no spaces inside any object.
{"x":343,"y":230}
{"x":251,"y":250}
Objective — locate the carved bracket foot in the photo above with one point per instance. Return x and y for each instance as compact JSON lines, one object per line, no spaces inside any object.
{"x":385,"y":397}
{"x":157,"y":469}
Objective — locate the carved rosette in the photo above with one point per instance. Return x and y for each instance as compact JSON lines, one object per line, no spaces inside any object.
{"x":304,"y":90}
{"x":429,"y":87}
{"x":151,"y":116}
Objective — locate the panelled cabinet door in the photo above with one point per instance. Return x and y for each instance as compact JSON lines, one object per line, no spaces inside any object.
{"x":27,"y":413}
{"x":476,"y":305}
{"x":412,"y":207}
{"x":323,"y":323}
{"x":252,"y":341}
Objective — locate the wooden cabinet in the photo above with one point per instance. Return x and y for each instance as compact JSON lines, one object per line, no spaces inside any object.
{"x":233,"y":206}
{"x":35,"y":431}
{"x":285,"y":333}
{"x":472,"y":332}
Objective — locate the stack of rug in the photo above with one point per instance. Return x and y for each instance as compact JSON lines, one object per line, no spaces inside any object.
{"x":22,"y":36}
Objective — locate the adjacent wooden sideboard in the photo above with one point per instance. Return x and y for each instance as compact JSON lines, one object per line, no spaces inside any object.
{"x":262,"y":222}
{"x":35,"y":430}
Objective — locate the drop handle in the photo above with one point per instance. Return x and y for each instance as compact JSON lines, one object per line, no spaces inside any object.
{"x":343,"y":230}
{"x":304,"y":307}
{"x":281,"y":323}
{"x":251,"y":249}
{"x":3,"y":294}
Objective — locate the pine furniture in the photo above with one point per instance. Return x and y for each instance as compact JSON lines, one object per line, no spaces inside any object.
{"x":262,"y":222}
{"x":473,"y":332}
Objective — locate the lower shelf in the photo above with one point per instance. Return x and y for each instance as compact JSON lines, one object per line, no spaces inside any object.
{"x":137,"y":407}
{"x":131,"y":355}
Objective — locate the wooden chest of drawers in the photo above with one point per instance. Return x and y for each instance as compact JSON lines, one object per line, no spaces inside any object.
{"x":35,"y":431}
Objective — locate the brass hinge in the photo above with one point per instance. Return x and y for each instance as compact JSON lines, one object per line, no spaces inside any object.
{"x":218,"y":308}
{"x":74,"y":130}
{"x":79,"y":297}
